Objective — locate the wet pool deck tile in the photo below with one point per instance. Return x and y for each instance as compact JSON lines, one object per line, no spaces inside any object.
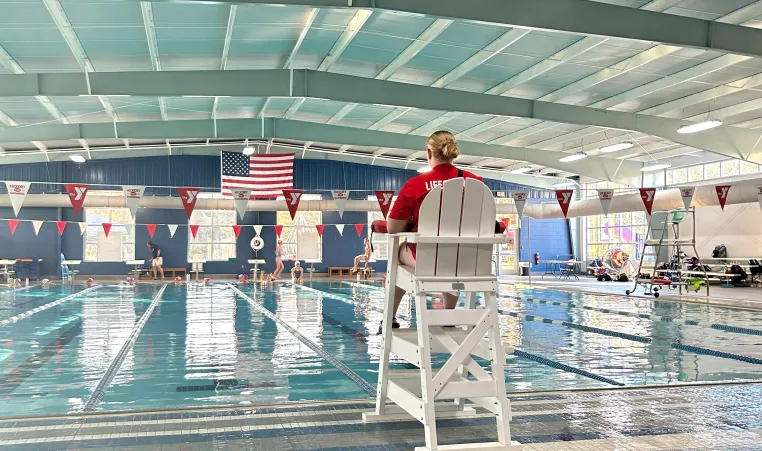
{"x":718,"y":417}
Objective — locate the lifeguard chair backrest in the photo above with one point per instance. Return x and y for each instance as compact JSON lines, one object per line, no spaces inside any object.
{"x":460,"y":207}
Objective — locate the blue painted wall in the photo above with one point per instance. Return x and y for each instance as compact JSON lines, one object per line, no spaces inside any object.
{"x":549,"y":237}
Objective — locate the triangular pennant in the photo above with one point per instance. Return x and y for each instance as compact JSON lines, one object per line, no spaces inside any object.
{"x":77,"y":193}
{"x":151,"y":229}
{"x":13,"y":223}
{"x":722,"y":194}
{"x":37,"y":225}
{"x":648,"y":194}
{"x":172,"y":230}
{"x":237,"y":230}
{"x":606,"y":195}
{"x":520,"y":199}
{"x":278,"y":230}
{"x":564,"y":197}
{"x":340,"y":228}
{"x":320,"y":228}
{"x":293,"y":196}
{"x":130,"y":229}
{"x":340,"y":196}
{"x":134,"y":194}
{"x":194,"y":229}
{"x":385,"y":201}
{"x":241,"y":199}
{"x":17,"y":192}
{"x":258,"y":230}
{"x":106,"y":228}
{"x":82,"y":228}
{"x":687,"y":195}
{"x":189,"y":197}
{"x":61,"y":226}
{"x":359,"y":228}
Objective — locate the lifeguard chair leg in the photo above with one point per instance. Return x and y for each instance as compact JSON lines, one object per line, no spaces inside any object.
{"x":427,"y":376}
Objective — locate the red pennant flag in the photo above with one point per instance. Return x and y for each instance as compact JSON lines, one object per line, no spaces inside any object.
{"x":106,"y":228}
{"x":564,"y":197}
{"x":151,"y":229}
{"x":194,"y":229}
{"x":189,"y":197}
{"x":278,"y":229}
{"x":61,"y":226}
{"x":236,"y":230}
{"x":320,"y":228}
{"x":359,"y":228}
{"x":77,"y":193}
{"x":722,"y":194}
{"x":293,"y":196}
{"x":13,"y":223}
{"x":648,"y":194}
{"x":385,"y":201}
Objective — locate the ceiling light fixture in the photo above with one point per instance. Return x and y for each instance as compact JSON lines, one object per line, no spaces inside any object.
{"x":77,"y":158}
{"x":521,"y":170}
{"x":616,"y":147}
{"x":656,"y":167}
{"x":248,"y":150}
{"x":699,"y":126}
{"x":573,"y":157}
{"x":424,"y":169}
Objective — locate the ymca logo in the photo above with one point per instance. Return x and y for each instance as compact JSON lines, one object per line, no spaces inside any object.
{"x":387,"y":198}
{"x":191,"y":197}
{"x":605,"y":195}
{"x":566,"y":197}
{"x":722,"y":191}
{"x":519,"y":196}
{"x":687,"y":192}
{"x":648,"y":196}
{"x":295,"y":198}
{"x":79,"y":193}
{"x":340,"y":194}
{"x":134,"y":193}
{"x":17,"y":189}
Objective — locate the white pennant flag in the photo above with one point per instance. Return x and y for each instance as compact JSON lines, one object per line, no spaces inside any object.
{"x":130,"y":229}
{"x":172,"y":230}
{"x":687,"y":195}
{"x":258,"y":230}
{"x":82,"y":228}
{"x":37,"y":225}
{"x":241,"y":199}
{"x":605,"y":195}
{"x":520,"y":199}
{"x":340,"y":228}
{"x":340,"y":196}
{"x":17,"y":191}
{"x":134,"y":195}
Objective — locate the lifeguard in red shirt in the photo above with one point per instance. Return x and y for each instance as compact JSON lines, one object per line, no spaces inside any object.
{"x":441,"y":150}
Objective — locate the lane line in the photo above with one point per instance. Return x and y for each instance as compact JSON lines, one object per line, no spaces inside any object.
{"x":41,"y":308}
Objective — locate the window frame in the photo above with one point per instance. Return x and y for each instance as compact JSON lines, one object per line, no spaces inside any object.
{"x":215,"y":238}
{"x":116,"y":226}
{"x":291,"y":229}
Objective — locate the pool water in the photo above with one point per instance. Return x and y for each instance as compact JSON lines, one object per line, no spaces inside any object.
{"x":66,"y":349}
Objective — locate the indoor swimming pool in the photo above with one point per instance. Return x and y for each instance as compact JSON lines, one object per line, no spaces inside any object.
{"x":71,"y":349}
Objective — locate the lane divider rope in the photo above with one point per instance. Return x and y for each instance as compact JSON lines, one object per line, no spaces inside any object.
{"x":41,"y":308}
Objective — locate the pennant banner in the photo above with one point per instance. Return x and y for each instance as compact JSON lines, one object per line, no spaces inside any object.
{"x":241,"y":199}
{"x":687,"y":195}
{"x":320,"y":228}
{"x":292,"y":200}
{"x":172,"y":230}
{"x":61,"y":226}
{"x":385,"y":201}
{"x":17,"y":191}
{"x":278,"y":230}
{"x":37,"y":225}
{"x":13,"y":223}
{"x":133,"y":194}
{"x":82,"y":228}
{"x":606,"y":196}
{"x":340,"y":228}
{"x":194,"y":229}
{"x":257,"y":230}
{"x":130,"y":229}
{"x":648,"y":194}
{"x":106,"y":228}
{"x":151,"y":229}
{"x":722,"y":194}
{"x":340,"y":196}
{"x":359,"y":228}
{"x":77,"y":193}
{"x":520,"y":199}
{"x":237,"y":230}
{"x":564,"y":197}
{"x":189,"y":196}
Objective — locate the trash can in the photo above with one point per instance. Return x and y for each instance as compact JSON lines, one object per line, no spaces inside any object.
{"x":524,"y":267}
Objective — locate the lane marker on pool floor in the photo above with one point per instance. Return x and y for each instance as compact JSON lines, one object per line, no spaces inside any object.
{"x":39,"y":309}
{"x":309,"y":343}
{"x":113,"y":368}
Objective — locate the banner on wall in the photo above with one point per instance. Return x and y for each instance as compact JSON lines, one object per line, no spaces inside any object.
{"x":82,"y":228}
{"x":340,"y":228}
{"x":241,"y":199}
{"x":237,"y":230}
{"x":133,"y":194}
{"x":257,"y":230}
{"x":278,"y":230}
{"x":385,"y":201}
{"x":61,"y":226}
{"x":37,"y":225}
{"x":12,"y":224}
{"x":172,"y":229}
{"x":320,"y":228}
{"x":77,"y":193}
{"x":340,"y":196}
{"x":151,"y":229}
{"x":17,"y":192}
{"x":647,"y":195}
{"x":359,"y":228}
{"x":293,"y":196}
{"x":520,"y":199}
{"x":687,"y":194}
{"x":722,"y":194}
{"x":106,"y":228}
{"x":189,"y":196}
{"x":605,"y":196}
{"x":564,"y":197}
{"x":194,"y":229}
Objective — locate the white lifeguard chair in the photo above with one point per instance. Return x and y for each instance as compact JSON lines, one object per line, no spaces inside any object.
{"x":455,"y":239}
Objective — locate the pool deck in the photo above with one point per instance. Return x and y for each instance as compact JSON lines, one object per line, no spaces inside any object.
{"x":718,"y":417}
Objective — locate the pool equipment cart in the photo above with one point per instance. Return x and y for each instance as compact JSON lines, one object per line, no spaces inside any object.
{"x":454,"y":242}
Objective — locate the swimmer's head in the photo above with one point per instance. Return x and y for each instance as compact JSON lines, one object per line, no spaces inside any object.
{"x":297,"y":264}
{"x":441,"y":147}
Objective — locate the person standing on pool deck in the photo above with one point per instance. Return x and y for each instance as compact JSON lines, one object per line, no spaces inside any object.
{"x":156,"y":259}
{"x":279,"y":267}
{"x":441,"y":150}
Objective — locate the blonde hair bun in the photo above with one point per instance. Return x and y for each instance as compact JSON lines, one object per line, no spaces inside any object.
{"x":443,"y":145}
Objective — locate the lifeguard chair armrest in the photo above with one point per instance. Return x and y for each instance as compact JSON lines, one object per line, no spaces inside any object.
{"x":416,"y":238}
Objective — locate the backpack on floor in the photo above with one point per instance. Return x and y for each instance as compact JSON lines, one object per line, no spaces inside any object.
{"x":720,"y":251}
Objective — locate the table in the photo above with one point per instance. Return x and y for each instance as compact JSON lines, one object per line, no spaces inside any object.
{"x":5,"y":272}
{"x":568,"y":269}
{"x":256,"y":262}
{"x":135,"y":263}
{"x":312,"y":262}
{"x":71,"y":263}
{"x":197,"y":266}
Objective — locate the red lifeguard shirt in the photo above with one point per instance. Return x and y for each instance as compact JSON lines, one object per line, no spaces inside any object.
{"x":410,"y":198}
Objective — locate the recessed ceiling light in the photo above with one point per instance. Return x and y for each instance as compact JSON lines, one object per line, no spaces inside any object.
{"x":77,"y":158}
{"x":699,"y":126}
{"x":521,"y":170}
{"x":616,"y":147}
{"x":573,"y":157}
{"x":656,"y":167}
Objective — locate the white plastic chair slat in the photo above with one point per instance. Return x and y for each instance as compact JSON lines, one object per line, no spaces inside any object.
{"x":428,"y":225}
{"x":470,"y":225}
{"x":449,"y":225}
{"x":486,"y":228}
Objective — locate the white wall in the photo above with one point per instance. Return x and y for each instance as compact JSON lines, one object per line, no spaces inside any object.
{"x":739,"y":228}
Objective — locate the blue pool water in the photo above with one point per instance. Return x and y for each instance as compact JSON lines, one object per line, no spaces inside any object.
{"x":63,"y":349}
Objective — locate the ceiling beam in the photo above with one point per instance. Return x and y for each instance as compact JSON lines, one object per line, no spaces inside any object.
{"x":232,"y":13}
{"x":146,"y":9}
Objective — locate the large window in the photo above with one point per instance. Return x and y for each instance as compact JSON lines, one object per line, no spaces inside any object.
{"x":215,"y":239}
{"x":379,"y":241}
{"x":119,"y":245}
{"x":708,"y":171}
{"x":300,"y":238}
{"x":626,"y":231}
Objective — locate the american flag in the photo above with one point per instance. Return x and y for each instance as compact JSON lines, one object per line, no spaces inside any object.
{"x":265,"y":174}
